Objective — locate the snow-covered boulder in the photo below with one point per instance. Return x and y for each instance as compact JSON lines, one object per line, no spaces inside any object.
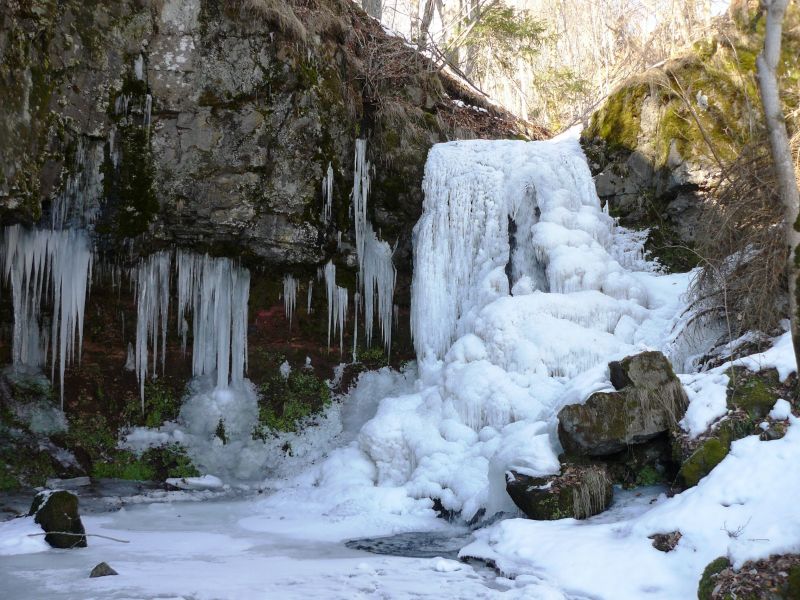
{"x":649,"y":400}
{"x":57,"y":514}
{"x":578,"y":492}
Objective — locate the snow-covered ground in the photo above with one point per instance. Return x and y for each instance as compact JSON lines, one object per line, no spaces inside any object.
{"x":524,"y":289}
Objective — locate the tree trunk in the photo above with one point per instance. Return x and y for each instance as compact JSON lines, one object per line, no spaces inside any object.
{"x":767,"y":64}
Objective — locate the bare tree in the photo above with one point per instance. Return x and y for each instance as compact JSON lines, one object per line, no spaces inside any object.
{"x":767,"y":64}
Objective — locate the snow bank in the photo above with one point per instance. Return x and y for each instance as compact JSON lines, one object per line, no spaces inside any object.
{"x":744,"y":509}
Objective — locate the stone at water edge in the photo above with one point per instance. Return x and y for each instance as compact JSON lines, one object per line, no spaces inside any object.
{"x":57,"y":514}
{"x":579,"y":492}
{"x":649,"y":400}
{"x":102,"y":570}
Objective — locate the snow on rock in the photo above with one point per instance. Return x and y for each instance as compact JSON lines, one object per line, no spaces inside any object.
{"x":206,"y":482}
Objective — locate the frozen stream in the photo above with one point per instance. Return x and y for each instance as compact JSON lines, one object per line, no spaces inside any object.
{"x":233,"y":549}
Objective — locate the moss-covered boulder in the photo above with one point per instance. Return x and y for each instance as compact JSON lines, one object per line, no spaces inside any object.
{"x":754,"y":393}
{"x":774,"y":578}
{"x":700,"y":455}
{"x":649,"y":401}
{"x":580,"y":491}
{"x":661,"y":140}
{"x":710,"y":574}
{"x":57,"y":514}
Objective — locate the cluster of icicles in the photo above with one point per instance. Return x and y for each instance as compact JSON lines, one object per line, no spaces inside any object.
{"x":376,"y":272}
{"x":53,"y":267}
{"x":215,"y":291}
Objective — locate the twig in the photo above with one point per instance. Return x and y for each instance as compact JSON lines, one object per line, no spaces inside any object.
{"x":105,"y":537}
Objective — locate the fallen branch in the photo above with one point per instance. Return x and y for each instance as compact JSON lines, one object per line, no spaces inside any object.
{"x":105,"y":537}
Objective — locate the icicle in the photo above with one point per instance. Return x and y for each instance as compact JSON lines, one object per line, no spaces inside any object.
{"x":356,"y":308}
{"x":130,"y":361}
{"x":216,"y":292}
{"x":310,"y":289}
{"x":152,"y":309}
{"x":327,"y":196}
{"x":138,"y":68}
{"x":77,"y":203}
{"x":376,"y":271}
{"x":337,"y":305}
{"x":148,"y":109}
{"x":359,"y":196}
{"x":290,"y":287}
{"x":47,"y":266}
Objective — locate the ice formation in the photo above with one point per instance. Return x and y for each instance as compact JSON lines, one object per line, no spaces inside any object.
{"x":376,"y":271}
{"x":152,"y":313}
{"x":308,"y":299}
{"x":47,"y":268}
{"x":215,"y":291}
{"x":290,"y":287}
{"x":77,"y":204}
{"x":519,"y":300}
{"x":337,"y":305}
{"x":327,"y":195}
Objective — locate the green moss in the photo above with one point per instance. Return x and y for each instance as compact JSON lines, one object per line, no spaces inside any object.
{"x":8,"y":481}
{"x":648,"y":476}
{"x":707,"y":580}
{"x":285,"y":402}
{"x":160,"y":404}
{"x":220,"y":431}
{"x":155,"y":464}
{"x":793,"y":583}
{"x":618,"y":121}
{"x":755,"y":393}
{"x":707,"y":456}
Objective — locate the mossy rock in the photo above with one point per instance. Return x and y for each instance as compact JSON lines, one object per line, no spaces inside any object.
{"x":707,"y":580}
{"x":57,"y":514}
{"x":713,"y":448}
{"x":579,"y":492}
{"x":648,"y":402}
{"x":755,"y":393}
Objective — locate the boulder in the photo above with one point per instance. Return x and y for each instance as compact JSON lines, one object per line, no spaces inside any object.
{"x":649,"y":400}
{"x":578,"y":492}
{"x":57,"y":514}
{"x":102,"y":570}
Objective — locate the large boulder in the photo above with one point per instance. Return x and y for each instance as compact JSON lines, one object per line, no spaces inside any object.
{"x":579,"y":492}
{"x":649,"y":400}
{"x":57,"y":514}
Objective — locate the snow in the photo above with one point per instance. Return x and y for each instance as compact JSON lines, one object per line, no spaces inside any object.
{"x":781,"y":411}
{"x":17,"y":537}
{"x":206,"y":482}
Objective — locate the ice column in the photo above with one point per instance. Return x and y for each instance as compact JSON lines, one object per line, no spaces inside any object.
{"x":327,"y":195}
{"x":152,"y":311}
{"x":377,"y":274}
{"x":337,"y":305}
{"x":216,"y":291}
{"x":290,"y":287}
{"x":44,"y":266}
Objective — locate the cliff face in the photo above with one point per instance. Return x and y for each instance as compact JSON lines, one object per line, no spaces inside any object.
{"x":211,"y":123}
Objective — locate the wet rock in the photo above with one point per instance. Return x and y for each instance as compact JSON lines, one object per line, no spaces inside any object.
{"x":578,"y":492}
{"x":102,"y":570}
{"x":666,"y":542}
{"x":57,"y":514}
{"x":649,"y":400}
